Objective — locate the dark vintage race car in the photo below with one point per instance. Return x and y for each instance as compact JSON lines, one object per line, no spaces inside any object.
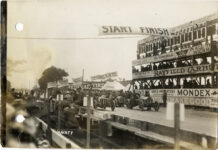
{"x":70,"y":116}
{"x":120,"y":101}
{"x":142,"y":102}
{"x":104,"y":102}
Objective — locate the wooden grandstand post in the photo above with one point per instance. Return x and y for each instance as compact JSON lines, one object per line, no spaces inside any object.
{"x":177,"y":125}
{"x":212,"y":59}
{"x":48,"y":131}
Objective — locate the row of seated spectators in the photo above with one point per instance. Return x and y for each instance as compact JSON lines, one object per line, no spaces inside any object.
{"x":194,"y":84}
{"x":168,"y":65}
{"x":161,"y":65}
{"x":170,"y":85}
{"x":155,"y":49}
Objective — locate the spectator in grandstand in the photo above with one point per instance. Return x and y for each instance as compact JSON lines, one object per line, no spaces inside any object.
{"x":167,"y":65}
{"x":170,"y":85}
{"x":190,"y":85}
{"x":145,"y":86}
{"x":178,"y":85}
{"x":134,"y":70}
{"x":171,"y":65}
{"x":149,"y":68}
{"x":146,"y":68}
{"x":195,"y":62}
{"x":160,"y":66}
{"x":152,"y":85}
{"x":142,"y":69}
{"x":180,"y":63}
{"x":141,"y":86}
{"x":160,"y":85}
{"x":185,"y":83}
{"x":204,"y":61}
{"x":154,"y":67}
{"x":187,"y":63}
{"x":208,"y":85}
{"x":155,"y":52}
{"x":175,"y":48}
{"x":194,"y":84}
{"x":163,"y":47}
{"x":138,"y":56}
{"x":147,"y":55}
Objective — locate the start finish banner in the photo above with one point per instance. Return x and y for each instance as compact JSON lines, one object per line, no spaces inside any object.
{"x":174,"y":71}
{"x":196,"y":97}
{"x":117,"y":30}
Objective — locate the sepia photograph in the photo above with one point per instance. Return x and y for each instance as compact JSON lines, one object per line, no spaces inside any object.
{"x":109,"y":74}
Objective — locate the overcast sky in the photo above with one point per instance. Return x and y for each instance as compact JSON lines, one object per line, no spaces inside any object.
{"x":27,"y":58}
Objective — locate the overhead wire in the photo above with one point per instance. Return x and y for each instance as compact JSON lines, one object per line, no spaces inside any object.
{"x":72,"y":38}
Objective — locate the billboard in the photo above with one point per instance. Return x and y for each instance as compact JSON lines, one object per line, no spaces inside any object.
{"x":62,"y":83}
{"x":104,"y":76}
{"x":174,"y":71}
{"x":196,"y":97}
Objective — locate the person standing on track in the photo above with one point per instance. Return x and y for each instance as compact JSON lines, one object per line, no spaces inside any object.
{"x":164,"y":98}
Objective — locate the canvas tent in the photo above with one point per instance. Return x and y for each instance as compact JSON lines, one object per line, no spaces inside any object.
{"x":129,"y":87}
{"x":112,"y":86}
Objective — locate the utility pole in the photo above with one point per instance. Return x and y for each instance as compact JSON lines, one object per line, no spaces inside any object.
{"x":177,"y":125}
{"x":59,"y":98}
{"x":212,"y":60}
{"x":82,"y":77}
{"x":3,"y":70}
{"x":88,"y":118}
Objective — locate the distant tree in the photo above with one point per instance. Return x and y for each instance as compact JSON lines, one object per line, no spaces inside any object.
{"x":51,"y":74}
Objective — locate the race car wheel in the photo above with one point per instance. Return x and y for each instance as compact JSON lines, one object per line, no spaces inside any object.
{"x":112,"y":106}
{"x":156,"y":106}
{"x":104,"y":106}
{"x":141,"y":106}
{"x":95,"y":105}
{"x":104,"y":103}
{"x":149,"y":108}
{"x":129,"y":105}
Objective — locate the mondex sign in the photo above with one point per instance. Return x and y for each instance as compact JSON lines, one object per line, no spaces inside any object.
{"x":196,"y":97}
